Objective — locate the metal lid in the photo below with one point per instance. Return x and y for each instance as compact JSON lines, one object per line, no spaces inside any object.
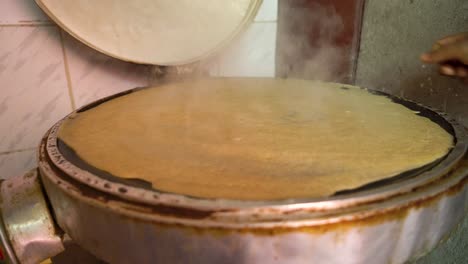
{"x":159,"y":32}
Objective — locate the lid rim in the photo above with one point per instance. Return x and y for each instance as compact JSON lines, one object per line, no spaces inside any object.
{"x":242,"y":26}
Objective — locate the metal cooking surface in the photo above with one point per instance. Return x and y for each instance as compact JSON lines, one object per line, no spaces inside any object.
{"x":71,"y":156}
{"x":139,"y":190}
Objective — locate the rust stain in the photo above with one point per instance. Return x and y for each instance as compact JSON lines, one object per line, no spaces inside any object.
{"x":416,"y":189}
{"x":397,"y":214}
{"x":360,"y":221}
{"x":158,"y":209}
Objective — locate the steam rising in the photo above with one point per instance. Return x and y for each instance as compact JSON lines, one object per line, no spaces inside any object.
{"x":307,"y":47}
{"x":302,"y":57}
{"x":164,"y":74}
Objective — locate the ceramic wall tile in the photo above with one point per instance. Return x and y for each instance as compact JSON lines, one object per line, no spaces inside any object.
{"x":33,"y":87}
{"x":252,"y":54}
{"x":95,"y":75}
{"x":21,"y":12}
{"x":17,"y":163}
{"x":268,"y":11}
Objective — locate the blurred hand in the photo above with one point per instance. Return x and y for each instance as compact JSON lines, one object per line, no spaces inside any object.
{"x":451,"y":53}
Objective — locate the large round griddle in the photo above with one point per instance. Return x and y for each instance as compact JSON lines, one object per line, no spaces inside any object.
{"x":394,"y":220}
{"x":67,"y":161}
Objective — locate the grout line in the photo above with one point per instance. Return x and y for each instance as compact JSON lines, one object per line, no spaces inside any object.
{"x":16,"y":151}
{"x":356,"y":43}
{"x":45,"y":24}
{"x":265,"y":21}
{"x":67,"y":72}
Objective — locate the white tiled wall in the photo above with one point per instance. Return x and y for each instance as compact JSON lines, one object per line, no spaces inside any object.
{"x":45,"y":73}
{"x":94,"y":75}
{"x":33,"y":85}
{"x":252,"y":53}
{"x":244,"y":59}
{"x":268,"y":11}
{"x":21,"y":12}
{"x":17,"y":163}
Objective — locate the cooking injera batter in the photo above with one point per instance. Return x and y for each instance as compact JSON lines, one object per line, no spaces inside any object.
{"x":253,"y":139}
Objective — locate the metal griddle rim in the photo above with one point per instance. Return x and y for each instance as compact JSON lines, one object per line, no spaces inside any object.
{"x":141,"y":192}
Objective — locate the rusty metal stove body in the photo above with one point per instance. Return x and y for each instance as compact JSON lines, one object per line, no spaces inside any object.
{"x":119,"y":223}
